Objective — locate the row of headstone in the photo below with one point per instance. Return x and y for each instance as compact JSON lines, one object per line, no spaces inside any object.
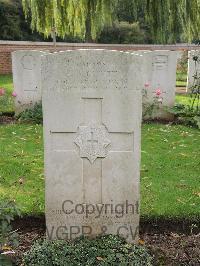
{"x":159,"y":74}
{"x":92,"y":108}
{"x":92,"y":116}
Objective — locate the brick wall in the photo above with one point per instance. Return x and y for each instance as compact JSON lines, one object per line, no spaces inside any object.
{"x":5,"y":63}
{"x":7,"y":47}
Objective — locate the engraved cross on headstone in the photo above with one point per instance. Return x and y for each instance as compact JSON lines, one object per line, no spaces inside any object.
{"x":94,"y":142}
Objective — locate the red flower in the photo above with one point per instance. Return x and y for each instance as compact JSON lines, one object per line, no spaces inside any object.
{"x":158,"y":92}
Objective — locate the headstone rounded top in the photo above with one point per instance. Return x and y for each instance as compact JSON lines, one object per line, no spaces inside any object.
{"x":95,"y":51}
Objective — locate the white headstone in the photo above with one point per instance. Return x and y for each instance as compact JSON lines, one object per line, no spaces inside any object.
{"x":193,"y":67}
{"x":92,"y":116}
{"x":160,"y":73}
{"x":26,"y":67}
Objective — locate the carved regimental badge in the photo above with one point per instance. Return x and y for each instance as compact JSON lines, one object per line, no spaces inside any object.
{"x":92,"y":141}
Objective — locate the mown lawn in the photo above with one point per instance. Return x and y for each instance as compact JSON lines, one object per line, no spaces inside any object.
{"x":21,"y":160}
{"x":181,"y":79}
{"x":183,"y":99}
{"x":170,"y":171}
{"x":6,"y":102}
{"x":170,"y":177}
{"x":6,"y":82}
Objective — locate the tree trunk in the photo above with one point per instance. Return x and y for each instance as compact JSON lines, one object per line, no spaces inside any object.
{"x":88,"y":35}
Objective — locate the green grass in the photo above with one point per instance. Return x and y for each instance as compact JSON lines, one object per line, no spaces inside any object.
{"x":21,"y":157}
{"x":6,"y":82}
{"x":181,"y":79}
{"x":183,"y":99}
{"x":180,"y":83}
{"x":170,"y":178}
{"x":170,"y":171}
{"x":6,"y":102}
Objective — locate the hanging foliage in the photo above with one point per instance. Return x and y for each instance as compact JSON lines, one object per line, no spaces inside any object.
{"x":167,"y":19}
{"x":70,"y":17}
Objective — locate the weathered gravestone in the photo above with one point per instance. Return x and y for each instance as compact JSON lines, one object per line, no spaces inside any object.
{"x":92,"y":116}
{"x":26,"y":67}
{"x":193,"y":67}
{"x":160,"y":74}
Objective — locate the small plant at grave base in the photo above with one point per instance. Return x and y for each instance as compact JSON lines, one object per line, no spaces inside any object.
{"x":33,"y":115}
{"x":190,"y":114}
{"x":104,"y":250}
{"x":150,"y":108}
{"x":8,"y":237}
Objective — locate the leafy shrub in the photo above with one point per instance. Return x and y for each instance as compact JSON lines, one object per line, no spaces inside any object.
{"x":122,"y":32}
{"x":105,"y":250}
{"x":8,"y":210}
{"x":33,"y":115}
{"x":185,"y":115}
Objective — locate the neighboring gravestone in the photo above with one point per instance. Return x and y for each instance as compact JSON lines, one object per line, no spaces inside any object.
{"x":26,"y":67}
{"x":193,"y":67}
{"x":92,"y":116}
{"x":148,"y":71}
{"x":164,"y":78}
{"x":159,"y":74}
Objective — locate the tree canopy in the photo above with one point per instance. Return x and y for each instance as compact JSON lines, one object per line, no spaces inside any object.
{"x":167,"y":19}
{"x":170,"y":18}
{"x":73,"y":17}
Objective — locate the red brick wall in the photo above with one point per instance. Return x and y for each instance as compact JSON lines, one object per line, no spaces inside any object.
{"x":7,"y":47}
{"x":5,"y":63}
